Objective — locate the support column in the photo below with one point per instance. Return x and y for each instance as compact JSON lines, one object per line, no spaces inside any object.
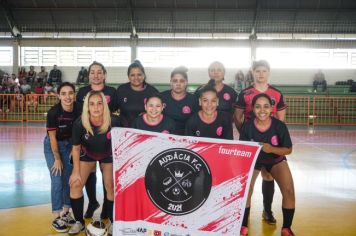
{"x":16,"y":55}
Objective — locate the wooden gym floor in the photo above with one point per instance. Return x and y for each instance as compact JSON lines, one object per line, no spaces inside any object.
{"x":323,"y":164}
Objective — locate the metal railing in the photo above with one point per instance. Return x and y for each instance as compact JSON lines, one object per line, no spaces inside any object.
{"x":302,"y":110}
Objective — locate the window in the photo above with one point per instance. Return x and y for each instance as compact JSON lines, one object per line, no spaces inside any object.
{"x":5,"y":56}
{"x":308,"y":58}
{"x":75,"y":56}
{"x":193,"y":57}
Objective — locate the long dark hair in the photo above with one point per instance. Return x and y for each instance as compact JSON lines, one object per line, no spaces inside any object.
{"x":137,"y":64}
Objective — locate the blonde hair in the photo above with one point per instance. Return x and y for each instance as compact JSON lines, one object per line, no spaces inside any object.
{"x":86,"y":116}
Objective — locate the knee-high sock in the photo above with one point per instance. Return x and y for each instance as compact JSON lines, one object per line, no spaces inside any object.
{"x":90,"y":187}
{"x":77,"y":208}
{"x":288,"y":215}
{"x":246,"y":216}
{"x":110,"y":209}
{"x":268,"y":192}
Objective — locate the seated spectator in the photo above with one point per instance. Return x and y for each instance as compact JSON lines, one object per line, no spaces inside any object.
{"x":25,"y":87}
{"x":42,"y":75}
{"x":22,"y":73}
{"x":239,"y":84}
{"x":319,"y":79}
{"x":249,"y":79}
{"x":82,"y":76}
{"x":55,"y":76}
{"x":31,"y":75}
{"x":48,"y":89}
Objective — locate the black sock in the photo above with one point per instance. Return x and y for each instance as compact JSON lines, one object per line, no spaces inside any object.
{"x":77,"y":208}
{"x":110,"y":209}
{"x":105,"y":201}
{"x":268,"y":192}
{"x":287,"y":217}
{"x":90,"y":187}
{"x":246,"y":216}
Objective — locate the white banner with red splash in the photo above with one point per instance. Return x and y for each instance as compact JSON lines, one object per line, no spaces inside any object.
{"x":177,"y":185}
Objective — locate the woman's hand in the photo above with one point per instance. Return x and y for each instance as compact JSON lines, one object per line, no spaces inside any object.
{"x":74,"y":178}
{"x":57,"y":167}
{"x":267,"y":148}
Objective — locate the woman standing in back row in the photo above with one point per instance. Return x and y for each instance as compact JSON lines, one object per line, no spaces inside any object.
{"x":179,"y":104}
{"x":130,"y":97}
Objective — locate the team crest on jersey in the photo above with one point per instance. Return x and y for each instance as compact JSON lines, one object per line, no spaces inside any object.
{"x":197,"y":133}
{"x":108,"y":99}
{"x":186,"y":110}
{"x":125,"y":99}
{"x":273,"y":101}
{"x":86,"y":136}
{"x":219,"y":131}
{"x":178,"y":181}
{"x":227,"y":96}
{"x":274,"y":140}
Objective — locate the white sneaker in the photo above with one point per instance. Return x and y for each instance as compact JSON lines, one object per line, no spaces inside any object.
{"x":67,"y":217}
{"x":76,"y":228}
{"x":110,"y":229}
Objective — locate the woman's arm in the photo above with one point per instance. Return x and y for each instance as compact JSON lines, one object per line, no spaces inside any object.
{"x":76,"y":165}
{"x":57,"y":165}
{"x":281,"y":151}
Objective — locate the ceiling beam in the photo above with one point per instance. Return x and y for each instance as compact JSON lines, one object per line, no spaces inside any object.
{"x":13,"y":27}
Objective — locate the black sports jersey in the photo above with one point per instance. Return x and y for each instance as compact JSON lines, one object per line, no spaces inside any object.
{"x":246,"y":96}
{"x":277,"y":135}
{"x":179,"y":110}
{"x":221,"y":127}
{"x":131,"y":102}
{"x":166,"y":125}
{"x":96,"y":147}
{"x":227,"y":98}
{"x":108,"y":91}
{"x":62,"y":121}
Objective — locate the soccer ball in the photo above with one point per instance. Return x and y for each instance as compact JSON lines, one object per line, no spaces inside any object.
{"x":96,"y":228}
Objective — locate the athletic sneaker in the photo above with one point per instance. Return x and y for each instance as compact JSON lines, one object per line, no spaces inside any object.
{"x":76,"y":228}
{"x":103,"y":214}
{"x":244,"y":231}
{"x":269,"y":218}
{"x":287,"y":232}
{"x":90,"y":210}
{"x":110,"y":229}
{"x":59,"y":225}
{"x":67,"y":217}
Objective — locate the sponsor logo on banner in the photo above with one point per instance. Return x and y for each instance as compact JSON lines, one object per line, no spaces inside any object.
{"x":173,"y":176}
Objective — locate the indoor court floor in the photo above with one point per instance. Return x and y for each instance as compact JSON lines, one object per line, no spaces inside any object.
{"x":323,"y":164}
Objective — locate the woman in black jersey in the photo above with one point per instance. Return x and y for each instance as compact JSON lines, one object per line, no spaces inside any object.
{"x":179,"y":104}
{"x":91,"y":135}
{"x":131,"y":96}
{"x":274,"y":136}
{"x":153,"y":119}
{"x":209,"y":122}
{"x":57,"y":148}
{"x":226,"y":94}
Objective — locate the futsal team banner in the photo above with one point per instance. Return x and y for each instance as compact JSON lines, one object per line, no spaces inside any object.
{"x":168,"y":185}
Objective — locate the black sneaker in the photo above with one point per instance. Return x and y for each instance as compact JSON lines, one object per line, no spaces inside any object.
{"x":59,"y":225}
{"x":103,"y":214}
{"x":90,"y":210}
{"x":269,"y":218}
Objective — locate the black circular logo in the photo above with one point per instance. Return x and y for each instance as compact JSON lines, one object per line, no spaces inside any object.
{"x":178,"y":181}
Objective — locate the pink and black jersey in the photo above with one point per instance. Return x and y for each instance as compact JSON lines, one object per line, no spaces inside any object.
{"x":165,"y":125}
{"x":277,"y":135}
{"x":62,"y":121}
{"x":244,"y":100}
{"x":108,"y":92}
{"x":179,"y":110}
{"x":220,"y":128}
{"x":132,"y":103}
{"x":97,"y":146}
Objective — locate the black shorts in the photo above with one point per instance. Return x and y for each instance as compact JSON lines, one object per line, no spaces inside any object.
{"x":268,"y":166}
{"x":88,"y":159}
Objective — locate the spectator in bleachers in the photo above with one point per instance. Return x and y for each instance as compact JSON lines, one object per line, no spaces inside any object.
{"x":31,"y":75}
{"x":82,"y":76}
{"x":48,"y":89}
{"x":319,"y":79}
{"x":55,"y":76}
{"x":25,"y":87}
{"x":239,"y":84}
{"x":42,"y":75}
{"x":249,"y":79}
{"x":22,"y":73}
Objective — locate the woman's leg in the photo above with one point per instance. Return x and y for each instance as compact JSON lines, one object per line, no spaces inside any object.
{"x":283,"y":176}
{"x":107,"y":170}
{"x":248,"y":202}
